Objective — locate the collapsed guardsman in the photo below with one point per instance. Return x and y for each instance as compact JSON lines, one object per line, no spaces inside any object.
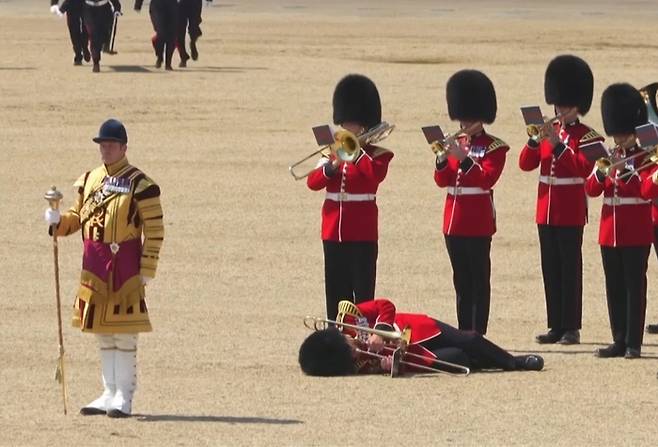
{"x":117,"y":208}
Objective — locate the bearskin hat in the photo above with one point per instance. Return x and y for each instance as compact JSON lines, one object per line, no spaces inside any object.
{"x":622,"y":109}
{"x":471,"y":97}
{"x":569,"y":82}
{"x":326,"y":353}
{"x":356,"y":99}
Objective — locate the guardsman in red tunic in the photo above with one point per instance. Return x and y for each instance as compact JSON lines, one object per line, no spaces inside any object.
{"x":330,"y":353}
{"x":469,"y":172}
{"x":625,"y":232}
{"x":349,"y":212}
{"x":561,"y":200}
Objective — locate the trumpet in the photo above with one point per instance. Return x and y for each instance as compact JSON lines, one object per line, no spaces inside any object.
{"x":346,"y":146}
{"x":396,"y":347}
{"x":607,"y":164}
{"x":536,"y":130}
{"x":441,"y":148}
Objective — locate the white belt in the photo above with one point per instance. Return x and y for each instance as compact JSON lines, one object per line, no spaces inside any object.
{"x":101,"y":3}
{"x":549,"y":180}
{"x":466,"y":191}
{"x":624,"y":201}
{"x":347,"y":197}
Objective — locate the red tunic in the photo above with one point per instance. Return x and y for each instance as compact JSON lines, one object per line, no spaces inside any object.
{"x":626,"y":213}
{"x":349,"y":212}
{"x":381,"y":313}
{"x":650,"y":191}
{"x":469,"y":208}
{"x":561,"y":197}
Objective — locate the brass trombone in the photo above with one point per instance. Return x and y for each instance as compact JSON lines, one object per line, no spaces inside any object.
{"x":652,"y":160}
{"x":649,"y":93}
{"x":441,"y":148}
{"x":346,"y":146}
{"x":536,"y":130}
{"x":398,"y":348}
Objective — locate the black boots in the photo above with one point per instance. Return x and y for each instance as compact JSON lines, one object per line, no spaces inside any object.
{"x":563,"y":337}
{"x":531,"y":362}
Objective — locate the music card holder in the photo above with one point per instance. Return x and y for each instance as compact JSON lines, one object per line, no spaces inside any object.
{"x":323,"y":135}
{"x":647,"y":135}
{"x":433,"y":133}
{"x":532,"y":115}
{"x":594,"y":151}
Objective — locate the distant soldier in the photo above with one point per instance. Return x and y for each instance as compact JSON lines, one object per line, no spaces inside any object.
{"x":76,"y":25}
{"x":189,"y":18}
{"x":98,"y":15}
{"x":164,"y":16}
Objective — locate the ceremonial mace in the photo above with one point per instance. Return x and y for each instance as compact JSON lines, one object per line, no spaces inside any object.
{"x":54,"y":197}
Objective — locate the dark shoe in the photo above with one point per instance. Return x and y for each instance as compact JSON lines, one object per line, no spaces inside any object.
{"x":158,"y":62}
{"x":632,"y":353}
{"x":193,"y":50}
{"x":613,"y":350}
{"x":533,"y":362}
{"x":183,"y":63}
{"x":117,"y":414}
{"x":91,"y":411}
{"x":96,"y":68}
{"x":652,"y":328}
{"x":86,"y":55}
{"x":77,"y":60}
{"x":571,"y":337}
{"x":552,"y":336}
{"x":168,"y":67}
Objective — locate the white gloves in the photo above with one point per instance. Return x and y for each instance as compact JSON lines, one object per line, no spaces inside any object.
{"x":55,"y":10}
{"x":146,"y":280}
{"x":52,"y":216}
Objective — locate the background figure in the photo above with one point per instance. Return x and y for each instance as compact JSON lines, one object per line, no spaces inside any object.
{"x":98,"y":18}
{"x":349,"y":212}
{"x":561,"y":202}
{"x":164,"y":16}
{"x":189,"y":18}
{"x":76,"y":26}
{"x":469,"y":169}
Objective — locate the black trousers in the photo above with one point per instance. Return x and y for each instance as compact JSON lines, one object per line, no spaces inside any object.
{"x":189,"y":19}
{"x":562,"y":269}
{"x":468,"y":348}
{"x":625,"y":271}
{"x":471,"y":273}
{"x":164,"y":16}
{"x":350,"y":271}
{"x":98,"y":20}
{"x":77,"y":32}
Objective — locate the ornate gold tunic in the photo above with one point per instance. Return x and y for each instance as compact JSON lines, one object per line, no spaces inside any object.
{"x":115,"y":206}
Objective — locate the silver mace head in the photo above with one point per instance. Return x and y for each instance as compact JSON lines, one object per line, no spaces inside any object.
{"x":53,"y":197}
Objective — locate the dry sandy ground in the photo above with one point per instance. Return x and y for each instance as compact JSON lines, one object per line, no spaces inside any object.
{"x":242,"y":259}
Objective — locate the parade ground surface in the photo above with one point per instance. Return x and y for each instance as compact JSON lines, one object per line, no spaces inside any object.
{"x":242,"y":260}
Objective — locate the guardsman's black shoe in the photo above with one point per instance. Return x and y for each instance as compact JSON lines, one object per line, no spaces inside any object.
{"x":77,"y":60}
{"x":158,"y":62}
{"x":632,"y":353}
{"x":533,"y":362}
{"x":96,"y":68}
{"x":552,"y":336}
{"x":91,"y":411}
{"x":613,"y":350}
{"x":86,"y":54}
{"x":652,"y":328}
{"x":571,"y":337}
{"x":114,"y":413}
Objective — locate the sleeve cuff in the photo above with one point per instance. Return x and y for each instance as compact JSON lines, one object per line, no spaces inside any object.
{"x":600,"y":177}
{"x":559,"y":149}
{"x":384,"y":327}
{"x":329,"y":170}
{"x":466,"y":164}
{"x":441,"y":164}
{"x":532,"y":143}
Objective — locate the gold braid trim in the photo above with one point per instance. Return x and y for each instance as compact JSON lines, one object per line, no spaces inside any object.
{"x":590,"y":136}
{"x":497,"y":143}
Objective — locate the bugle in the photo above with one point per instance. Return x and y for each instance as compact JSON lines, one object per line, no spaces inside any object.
{"x":404,"y":358}
{"x":346,"y":146}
